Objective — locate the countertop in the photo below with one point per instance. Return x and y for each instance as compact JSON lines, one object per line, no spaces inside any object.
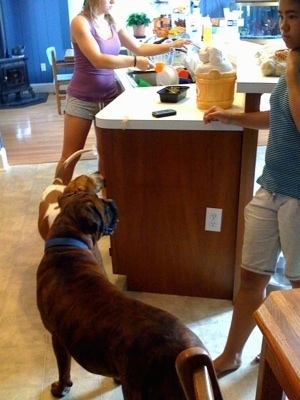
{"x":249,"y":76}
{"x":133,"y":110}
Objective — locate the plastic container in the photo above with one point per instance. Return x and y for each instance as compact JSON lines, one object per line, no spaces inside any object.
{"x":280,"y":272}
{"x":142,"y":82}
{"x":215,"y":89}
{"x":172,"y":94}
{"x":278,"y":280}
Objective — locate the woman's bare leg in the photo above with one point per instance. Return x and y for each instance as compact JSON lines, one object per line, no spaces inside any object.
{"x":249,"y":298}
{"x":75,"y":133}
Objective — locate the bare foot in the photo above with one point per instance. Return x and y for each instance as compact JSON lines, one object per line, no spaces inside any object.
{"x":225,"y":366}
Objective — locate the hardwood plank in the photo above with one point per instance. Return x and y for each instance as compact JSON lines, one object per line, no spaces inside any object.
{"x":34,"y":134}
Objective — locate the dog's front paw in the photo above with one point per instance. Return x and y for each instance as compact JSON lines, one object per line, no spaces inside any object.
{"x":60,"y":390}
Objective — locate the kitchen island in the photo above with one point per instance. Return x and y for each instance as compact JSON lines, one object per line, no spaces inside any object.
{"x":163,"y":174}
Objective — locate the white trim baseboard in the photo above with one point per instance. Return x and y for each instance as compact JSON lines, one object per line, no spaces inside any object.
{"x":43,"y":87}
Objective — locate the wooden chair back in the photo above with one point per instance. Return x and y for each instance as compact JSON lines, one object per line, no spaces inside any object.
{"x":60,"y":79}
{"x":197,"y":375}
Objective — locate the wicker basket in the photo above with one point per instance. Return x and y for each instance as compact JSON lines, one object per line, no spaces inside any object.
{"x":215,"y":89}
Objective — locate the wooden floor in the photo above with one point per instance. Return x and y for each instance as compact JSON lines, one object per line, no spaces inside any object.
{"x":34,"y":134}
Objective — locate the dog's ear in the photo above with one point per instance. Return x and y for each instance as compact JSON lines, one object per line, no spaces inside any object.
{"x":109,"y":216}
{"x":98,"y":181}
{"x":79,"y":184}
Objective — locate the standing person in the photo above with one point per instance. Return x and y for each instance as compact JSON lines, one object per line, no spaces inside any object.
{"x":213,"y":8}
{"x":97,"y":40}
{"x":272,"y":218}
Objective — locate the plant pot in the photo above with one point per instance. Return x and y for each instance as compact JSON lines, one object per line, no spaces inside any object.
{"x":138,"y":30}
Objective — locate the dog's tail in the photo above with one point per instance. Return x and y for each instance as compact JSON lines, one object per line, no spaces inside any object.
{"x":60,"y":173}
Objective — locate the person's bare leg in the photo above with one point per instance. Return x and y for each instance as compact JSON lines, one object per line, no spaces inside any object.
{"x":75,"y":133}
{"x":248,"y":299}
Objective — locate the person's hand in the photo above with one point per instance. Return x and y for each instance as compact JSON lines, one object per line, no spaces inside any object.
{"x":216,"y":113}
{"x":293,"y":58}
{"x":143,"y":63}
{"x":183,"y":42}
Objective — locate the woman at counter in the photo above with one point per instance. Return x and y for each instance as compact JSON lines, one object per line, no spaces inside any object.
{"x":97,"y":40}
{"x":272,"y":218}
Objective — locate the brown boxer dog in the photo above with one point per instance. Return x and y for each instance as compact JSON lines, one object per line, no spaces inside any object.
{"x":91,"y":320}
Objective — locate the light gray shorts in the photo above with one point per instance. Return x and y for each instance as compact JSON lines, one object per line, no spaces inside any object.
{"x":272,"y":224}
{"x":83,"y":109}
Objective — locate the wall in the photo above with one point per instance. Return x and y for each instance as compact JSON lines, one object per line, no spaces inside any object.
{"x":37,"y":24}
{"x":74,"y":8}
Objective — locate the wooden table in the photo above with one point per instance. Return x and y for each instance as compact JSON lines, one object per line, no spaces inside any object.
{"x":69,"y":55}
{"x":279,"y":320}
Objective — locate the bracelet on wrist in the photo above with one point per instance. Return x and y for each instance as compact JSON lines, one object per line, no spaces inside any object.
{"x":134,"y":61}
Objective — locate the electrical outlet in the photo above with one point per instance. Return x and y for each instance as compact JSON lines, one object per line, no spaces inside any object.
{"x":213,"y":220}
{"x":43,"y":67}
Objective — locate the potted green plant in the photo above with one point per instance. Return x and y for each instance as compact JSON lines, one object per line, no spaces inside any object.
{"x":138,"y":21}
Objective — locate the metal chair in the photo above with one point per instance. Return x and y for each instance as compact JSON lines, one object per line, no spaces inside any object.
{"x":197,"y":375}
{"x":60,"y":80}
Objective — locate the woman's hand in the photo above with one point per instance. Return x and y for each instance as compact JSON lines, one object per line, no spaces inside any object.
{"x":179,"y":43}
{"x":143,"y":63}
{"x":293,"y":59}
{"x":216,"y":113}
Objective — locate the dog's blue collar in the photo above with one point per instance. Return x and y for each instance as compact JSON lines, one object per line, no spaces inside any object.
{"x":65,"y":241}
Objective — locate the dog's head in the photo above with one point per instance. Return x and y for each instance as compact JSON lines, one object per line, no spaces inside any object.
{"x":89,"y":184}
{"x":93,"y":215}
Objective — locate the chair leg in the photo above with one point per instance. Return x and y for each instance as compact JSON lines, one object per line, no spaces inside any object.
{"x":58,"y":102}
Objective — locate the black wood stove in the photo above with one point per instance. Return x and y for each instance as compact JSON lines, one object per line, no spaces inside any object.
{"x":14,"y":78}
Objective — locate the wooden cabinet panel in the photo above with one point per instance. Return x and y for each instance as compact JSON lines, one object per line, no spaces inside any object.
{"x":162,"y":182}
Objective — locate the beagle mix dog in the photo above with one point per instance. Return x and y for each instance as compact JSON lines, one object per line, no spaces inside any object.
{"x":48,"y":207}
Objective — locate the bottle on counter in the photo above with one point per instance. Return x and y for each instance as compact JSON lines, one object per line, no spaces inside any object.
{"x":207,"y":30}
